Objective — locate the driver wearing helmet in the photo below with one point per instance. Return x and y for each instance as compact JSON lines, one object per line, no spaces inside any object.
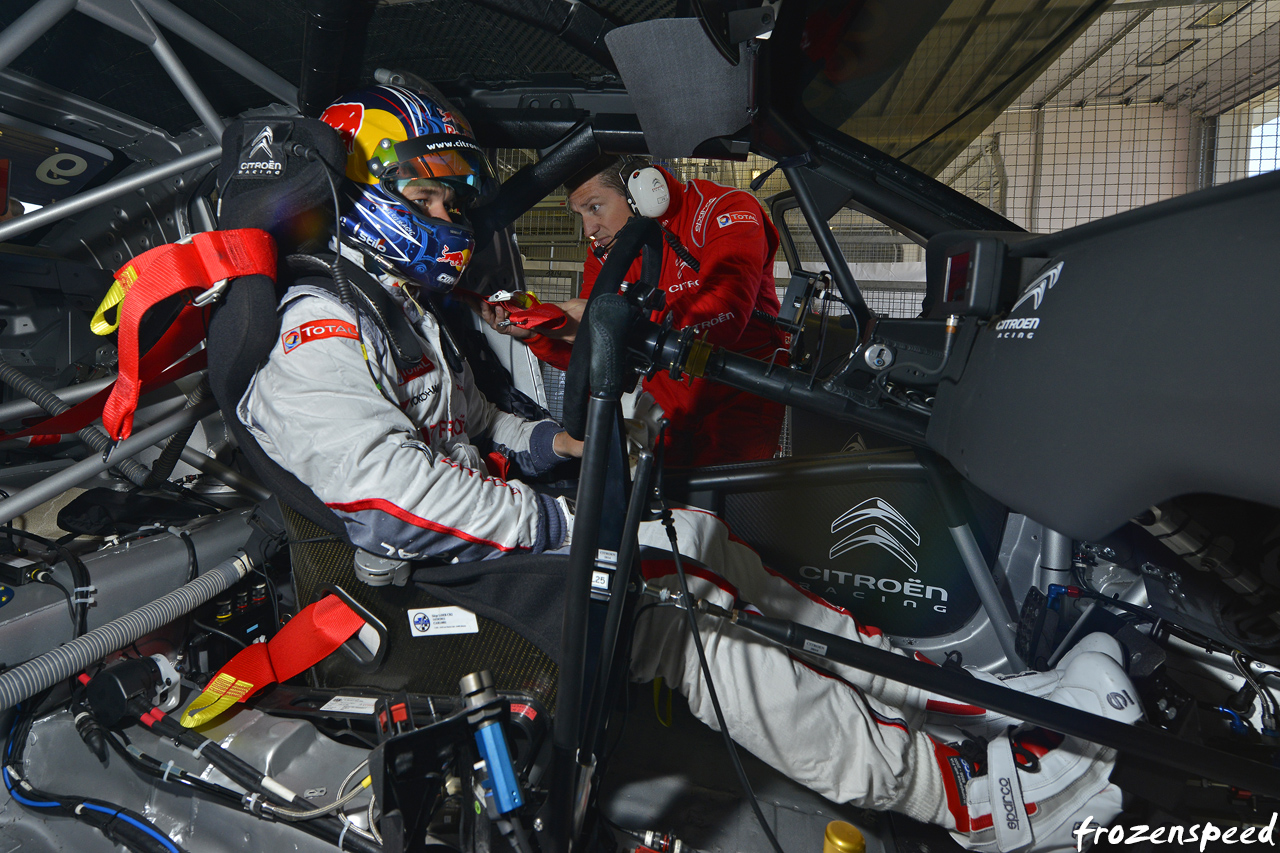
{"x":377,"y":413}
{"x":387,"y":443}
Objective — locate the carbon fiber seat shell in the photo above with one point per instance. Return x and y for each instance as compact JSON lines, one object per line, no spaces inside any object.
{"x":425,"y":665}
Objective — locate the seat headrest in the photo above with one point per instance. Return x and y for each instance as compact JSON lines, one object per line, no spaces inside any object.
{"x":267,"y":181}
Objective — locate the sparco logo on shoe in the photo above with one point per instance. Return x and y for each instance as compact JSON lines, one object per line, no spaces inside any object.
{"x":1011,"y":818}
{"x":1119,"y":700}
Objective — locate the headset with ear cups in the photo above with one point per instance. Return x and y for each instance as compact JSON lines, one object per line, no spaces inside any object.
{"x":646,"y":188}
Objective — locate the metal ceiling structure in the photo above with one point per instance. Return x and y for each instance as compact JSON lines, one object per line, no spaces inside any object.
{"x":1206,"y":57}
{"x":970,"y":66}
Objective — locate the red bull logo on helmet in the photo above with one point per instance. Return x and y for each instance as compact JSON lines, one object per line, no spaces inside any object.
{"x":458,"y":260}
{"x":347,"y":120}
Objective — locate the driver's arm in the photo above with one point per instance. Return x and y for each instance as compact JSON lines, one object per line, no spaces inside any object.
{"x":531,"y":446}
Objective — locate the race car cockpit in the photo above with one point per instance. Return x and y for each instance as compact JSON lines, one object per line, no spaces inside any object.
{"x":1034,"y":461}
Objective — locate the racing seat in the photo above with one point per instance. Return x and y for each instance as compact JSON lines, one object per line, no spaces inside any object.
{"x":518,"y":647}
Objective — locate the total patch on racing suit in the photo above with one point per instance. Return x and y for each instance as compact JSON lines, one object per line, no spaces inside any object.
{"x":734,"y":243}
{"x":405,"y":479}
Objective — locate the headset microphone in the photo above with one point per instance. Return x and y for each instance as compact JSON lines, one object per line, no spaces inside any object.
{"x":647,"y":191}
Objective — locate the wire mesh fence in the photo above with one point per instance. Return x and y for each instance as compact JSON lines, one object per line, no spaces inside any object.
{"x":1154,"y":100}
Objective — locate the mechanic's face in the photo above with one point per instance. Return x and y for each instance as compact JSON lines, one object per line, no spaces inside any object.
{"x":432,"y":198}
{"x":604,"y":211}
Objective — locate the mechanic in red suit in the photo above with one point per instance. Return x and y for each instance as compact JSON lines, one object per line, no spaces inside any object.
{"x":717,"y":271}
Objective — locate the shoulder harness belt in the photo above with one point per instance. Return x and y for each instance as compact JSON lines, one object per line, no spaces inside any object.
{"x":207,"y":262}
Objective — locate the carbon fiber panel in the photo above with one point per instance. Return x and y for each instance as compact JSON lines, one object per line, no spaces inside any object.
{"x":427,"y":665}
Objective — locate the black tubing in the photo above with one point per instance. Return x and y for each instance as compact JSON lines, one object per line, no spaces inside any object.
{"x":639,"y":237}
{"x":136,"y":472}
{"x":168,"y":458}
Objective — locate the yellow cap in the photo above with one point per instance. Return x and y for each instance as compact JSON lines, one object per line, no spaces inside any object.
{"x":843,"y":837}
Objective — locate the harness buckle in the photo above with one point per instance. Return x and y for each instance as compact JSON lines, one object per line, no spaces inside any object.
{"x":213,"y":294}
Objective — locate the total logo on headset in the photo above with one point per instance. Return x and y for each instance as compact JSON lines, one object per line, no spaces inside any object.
{"x":647,"y":191}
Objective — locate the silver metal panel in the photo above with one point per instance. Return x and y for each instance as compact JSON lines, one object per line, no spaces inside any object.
{"x":127,"y":576}
{"x":56,"y":760}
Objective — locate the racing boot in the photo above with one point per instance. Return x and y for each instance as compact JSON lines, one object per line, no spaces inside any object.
{"x":1032,"y":787}
{"x":984,"y":724}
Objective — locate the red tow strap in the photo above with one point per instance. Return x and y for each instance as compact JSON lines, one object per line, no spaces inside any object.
{"x":210,"y":258}
{"x":308,"y":638}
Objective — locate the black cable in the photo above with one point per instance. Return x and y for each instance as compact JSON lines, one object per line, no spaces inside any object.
{"x":44,"y":577}
{"x":79,"y":572}
{"x":209,"y":629}
{"x":194,"y":784}
{"x":636,"y":834}
{"x":193,"y":565}
{"x":279,"y":539}
{"x":668,"y":521}
{"x":822,"y":338}
{"x":679,"y":248}
{"x":118,"y":824}
{"x":152,"y":767}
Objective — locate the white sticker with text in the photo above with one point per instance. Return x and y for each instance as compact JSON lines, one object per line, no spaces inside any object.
{"x":350,"y":705}
{"x":442,"y":622}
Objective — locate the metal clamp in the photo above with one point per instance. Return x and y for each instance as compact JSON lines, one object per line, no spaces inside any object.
{"x":213,"y":294}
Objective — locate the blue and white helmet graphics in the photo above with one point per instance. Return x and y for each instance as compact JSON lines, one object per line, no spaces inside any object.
{"x":394,"y":135}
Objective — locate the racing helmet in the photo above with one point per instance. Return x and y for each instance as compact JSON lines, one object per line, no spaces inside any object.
{"x":395,"y":136}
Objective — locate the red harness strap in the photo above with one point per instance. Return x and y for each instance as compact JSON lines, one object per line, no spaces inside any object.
{"x":312,"y":635}
{"x":209,"y":260}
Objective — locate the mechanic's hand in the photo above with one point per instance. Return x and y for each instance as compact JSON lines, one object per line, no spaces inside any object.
{"x":498,"y":319}
{"x":572,"y":309}
{"x":566,"y":446}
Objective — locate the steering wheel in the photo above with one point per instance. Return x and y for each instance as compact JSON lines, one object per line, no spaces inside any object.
{"x":640,"y":237}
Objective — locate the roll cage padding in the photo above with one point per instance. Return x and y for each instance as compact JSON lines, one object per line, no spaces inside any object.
{"x":638,"y":235}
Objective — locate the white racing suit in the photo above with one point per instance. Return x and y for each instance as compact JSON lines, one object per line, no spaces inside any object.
{"x":406,"y":480}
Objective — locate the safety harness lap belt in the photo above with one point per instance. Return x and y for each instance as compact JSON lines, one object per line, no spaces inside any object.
{"x":305,"y":640}
{"x":207,"y":262}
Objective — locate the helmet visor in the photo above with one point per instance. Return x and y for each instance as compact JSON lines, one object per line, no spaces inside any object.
{"x":454,"y":160}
